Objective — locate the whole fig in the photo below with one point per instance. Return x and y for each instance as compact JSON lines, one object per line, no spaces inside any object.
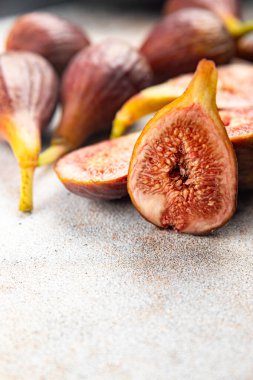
{"x":51,"y":36}
{"x":177,"y":43}
{"x":95,"y":85}
{"x":183,"y":170}
{"x":245,"y":47}
{"x":28,"y":95}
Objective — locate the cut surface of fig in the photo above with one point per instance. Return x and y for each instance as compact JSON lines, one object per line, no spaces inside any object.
{"x":234,"y":91}
{"x":177,"y":43}
{"x":95,"y":85}
{"x":28,"y":95}
{"x":183,"y":171}
{"x":99,"y":170}
{"x":51,"y":36}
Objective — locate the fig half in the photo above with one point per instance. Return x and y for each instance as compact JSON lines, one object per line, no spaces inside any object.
{"x":228,"y":10}
{"x":234,"y":91}
{"x":95,"y":85}
{"x":51,"y":36}
{"x":177,"y":43}
{"x":183,"y":171}
{"x":98,"y":171}
{"x":28,"y":96}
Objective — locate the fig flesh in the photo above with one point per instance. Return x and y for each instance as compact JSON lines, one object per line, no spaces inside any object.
{"x":28,"y":96}
{"x":183,"y":170}
{"x":53,"y":37}
{"x":228,"y":10}
{"x":98,"y":171}
{"x":95,"y":85}
{"x":234,"y":91}
{"x":245,"y":47}
{"x":178,"y":42}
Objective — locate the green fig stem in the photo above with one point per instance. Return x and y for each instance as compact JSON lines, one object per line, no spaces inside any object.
{"x":238,"y":28}
{"x":53,"y":153}
{"x":26,"y":189}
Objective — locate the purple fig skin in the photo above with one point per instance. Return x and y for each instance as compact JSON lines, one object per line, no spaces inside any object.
{"x":222,"y":8}
{"x":95,"y":85}
{"x":178,"y":42}
{"x":245,"y":47}
{"x":98,"y":171}
{"x":51,"y":36}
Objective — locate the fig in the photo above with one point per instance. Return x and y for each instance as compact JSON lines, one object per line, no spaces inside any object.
{"x":183,"y":170}
{"x":53,"y":37}
{"x":95,"y":85}
{"x":234,"y":92}
{"x":180,"y":40}
{"x":28,"y":96}
{"x":239,"y":126}
{"x":245,"y":47}
{"x":98,"y":171}
{"x":228,"y":10}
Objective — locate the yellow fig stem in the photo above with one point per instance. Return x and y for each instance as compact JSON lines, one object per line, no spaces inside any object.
{"x":26,"y":189}
{"x":52,"y":154}
{"x":238,"y":28}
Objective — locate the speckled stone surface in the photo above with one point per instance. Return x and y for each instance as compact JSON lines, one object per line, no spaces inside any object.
{"x":89,"y":290}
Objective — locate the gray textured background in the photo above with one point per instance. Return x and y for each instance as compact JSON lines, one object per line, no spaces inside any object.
{"x":89,"y":290}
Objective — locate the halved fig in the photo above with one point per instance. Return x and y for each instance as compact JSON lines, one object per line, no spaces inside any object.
{"x":228,"y":10}
{"x":177,"y":43}
{"x":98,"y":171}
{"x":239,"y":126}
{"x":234,"y":91}
{"x":245,"y":47}
{"x":183,"y":171}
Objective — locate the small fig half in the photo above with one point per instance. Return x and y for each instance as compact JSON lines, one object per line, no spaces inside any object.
{"x":98,"y":171}
{"x":228,"y":10}
{"x":28,"y":95}
{"x":183,"y":171}
{"x":245,"y":47}
{"x":51,"y":36}
{"x":95,"y":85}
{"x":177,"y":43}
{"x":234,"y":91}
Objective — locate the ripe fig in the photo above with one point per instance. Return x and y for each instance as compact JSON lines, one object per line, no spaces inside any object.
{"x":234,"y":92}
{"x":28,"y":95}
{"x":180,"y":40}
{"x":95,"y":85}
{"x":183,"y":171}
{"x":98,"y":171}
{"x":228,"y":10}
{"x":239,"y":126}
{"x":51,"y":36}
{"x":245,"y":47}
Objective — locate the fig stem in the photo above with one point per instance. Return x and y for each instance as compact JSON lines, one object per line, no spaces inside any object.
{"x":26,"y":189}
{"x":52,"y":154}
{"x":238,"y":28}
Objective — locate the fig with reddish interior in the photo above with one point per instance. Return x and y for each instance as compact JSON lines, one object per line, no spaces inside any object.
{"x":183,"y":171}
{"x":245,"y":47}
{"x":51,"y":36}
{"x":98,"y":171}
{"x":228,"y":10}
{"x":28,"y":95}
{"x":95,"y":85}
{"x":234,"y":91}
{"x":177,"y":43}
{"x":239,"y":126}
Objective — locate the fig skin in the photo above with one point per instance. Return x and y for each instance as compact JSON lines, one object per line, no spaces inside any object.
{"x":234,"y":91}
{"x":229,"y":11}
{"x":98,"y":171}
{"x":174,"y":180}
{"x":245,"y":47}
{"x":95,"y":85}
{"x":177,"y":43}
{"x":53,"y":37}
{"x":28,"y":96}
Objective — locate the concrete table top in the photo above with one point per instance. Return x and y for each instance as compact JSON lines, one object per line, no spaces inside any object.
{"x":89,"y":290}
